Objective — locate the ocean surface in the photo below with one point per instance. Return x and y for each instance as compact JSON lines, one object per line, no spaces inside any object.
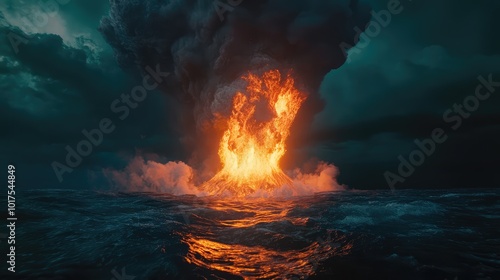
{"x":406,"y":234}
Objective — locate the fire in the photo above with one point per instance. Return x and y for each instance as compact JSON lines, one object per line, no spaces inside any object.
{"x":254,"y":141}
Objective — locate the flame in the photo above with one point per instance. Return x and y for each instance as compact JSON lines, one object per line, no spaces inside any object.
{"x":254,"y":141}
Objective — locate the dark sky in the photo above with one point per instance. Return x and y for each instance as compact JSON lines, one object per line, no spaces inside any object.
{"x":395,"y":89}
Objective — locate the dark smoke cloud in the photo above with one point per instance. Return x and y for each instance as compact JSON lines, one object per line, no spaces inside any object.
{"x":208,"y":55}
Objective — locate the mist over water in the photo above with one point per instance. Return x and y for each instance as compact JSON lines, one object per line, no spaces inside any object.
{"x":178,"y":178}
{"x":428,"y":234}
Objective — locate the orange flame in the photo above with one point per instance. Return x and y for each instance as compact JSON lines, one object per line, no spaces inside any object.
{"x":254,"y":141}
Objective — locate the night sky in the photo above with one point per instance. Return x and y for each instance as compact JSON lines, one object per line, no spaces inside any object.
{"x":398,"y":86}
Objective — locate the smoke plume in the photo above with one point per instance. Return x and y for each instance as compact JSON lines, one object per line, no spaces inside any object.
{"x":209,"y":44}
{"x":146,"y":175}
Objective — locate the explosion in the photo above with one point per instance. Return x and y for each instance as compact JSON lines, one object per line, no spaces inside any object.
{"x":234,"y":109}
{"x":251,"y":148}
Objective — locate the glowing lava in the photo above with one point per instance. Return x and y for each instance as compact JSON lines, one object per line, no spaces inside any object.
{"x":254,"y":141}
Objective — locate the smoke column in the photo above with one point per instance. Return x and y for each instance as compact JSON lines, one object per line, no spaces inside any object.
{"x":208,"y":53}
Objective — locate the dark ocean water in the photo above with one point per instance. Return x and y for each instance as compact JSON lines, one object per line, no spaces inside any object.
{"x":452,"y":234}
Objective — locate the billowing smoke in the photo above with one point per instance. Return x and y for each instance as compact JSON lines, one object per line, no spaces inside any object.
{"x":209,"y":44}
{"x":148,"y":175}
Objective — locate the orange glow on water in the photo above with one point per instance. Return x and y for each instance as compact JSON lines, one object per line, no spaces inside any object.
{"x":254,"y":141}
{"x":242,"y":238}
{"x":252,"y":262}
{"x":250,"y":238}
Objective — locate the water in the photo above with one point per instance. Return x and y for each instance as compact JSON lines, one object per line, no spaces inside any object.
{"x":347,"y":235}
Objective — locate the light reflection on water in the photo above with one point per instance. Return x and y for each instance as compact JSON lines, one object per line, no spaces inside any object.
{"x":409,"y":234}
{"x":258,"y":239}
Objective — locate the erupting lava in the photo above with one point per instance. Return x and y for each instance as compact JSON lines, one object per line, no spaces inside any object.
{"x":254,"y":141}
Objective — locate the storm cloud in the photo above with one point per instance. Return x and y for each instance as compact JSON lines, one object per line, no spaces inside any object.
{"x":208,"y":52}
{"x":392,"y":92}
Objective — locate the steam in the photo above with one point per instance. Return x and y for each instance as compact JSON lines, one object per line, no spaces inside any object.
{"x":177,"y":178}
{"x":207,"y":56}
{"x":142,"y":175}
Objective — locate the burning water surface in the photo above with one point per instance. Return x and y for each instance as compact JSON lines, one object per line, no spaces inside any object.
{"x":239,"y":223}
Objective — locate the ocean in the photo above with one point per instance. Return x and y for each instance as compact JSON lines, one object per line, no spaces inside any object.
{"x":406,"y":234}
